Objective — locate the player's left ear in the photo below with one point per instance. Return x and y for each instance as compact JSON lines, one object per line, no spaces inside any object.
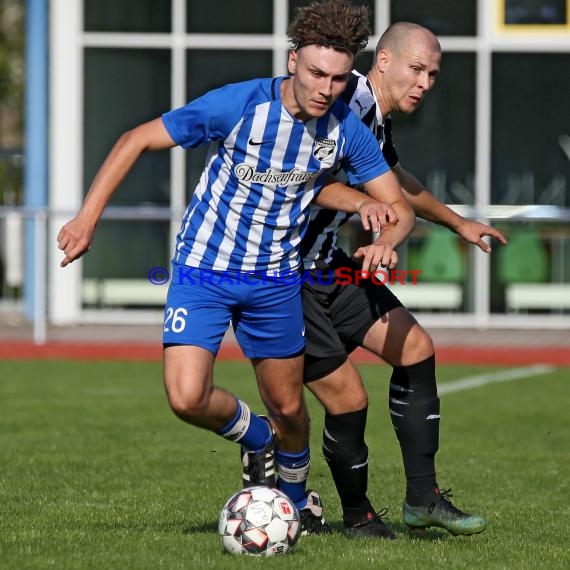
{"x":382,"y":59}
{"x":292,"y":62}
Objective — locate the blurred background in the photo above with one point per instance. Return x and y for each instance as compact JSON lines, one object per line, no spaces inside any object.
{"x":492,"y":140}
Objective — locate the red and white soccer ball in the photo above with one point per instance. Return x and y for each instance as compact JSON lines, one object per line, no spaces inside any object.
{"x":259,"y":521}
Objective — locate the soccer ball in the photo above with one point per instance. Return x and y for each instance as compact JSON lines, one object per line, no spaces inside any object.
{"x":259,"y":521}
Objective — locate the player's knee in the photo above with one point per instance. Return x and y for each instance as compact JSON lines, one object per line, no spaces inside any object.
{"x":292,"y":410}
{"x":358,"y":399}
{"x":186,"y":404}
{"x":289,"y":415}
{"x":419,"y":346}
{"x":425,"y":344}
{"x":187,"y":408}
{"x":336,"y":383}
{"x":350,"y":399}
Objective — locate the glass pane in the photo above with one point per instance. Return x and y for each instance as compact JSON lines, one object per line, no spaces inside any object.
{"x":128,"y":15}
{"x":109,"y":282}
{"x":535,"y":12}
{"x":229,"y":17}
{"x":128,"y":249}
{"x":294,"y":4}
{"x":208,"y":69}
{"x":442,"y":17}
{"x":364,"y":62}
{"x":125,"y":87}
{"x":531,"y":129}
{"x":437,"y":142}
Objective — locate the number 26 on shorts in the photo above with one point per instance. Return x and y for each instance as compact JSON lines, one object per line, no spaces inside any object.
{"x":175,"y":320}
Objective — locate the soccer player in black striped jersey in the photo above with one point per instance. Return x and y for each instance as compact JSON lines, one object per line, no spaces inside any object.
{"x":338,"y":318}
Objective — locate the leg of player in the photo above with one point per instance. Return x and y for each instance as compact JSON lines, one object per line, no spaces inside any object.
{"x":346,"y":404}
{"x":269,"y":327}
{"x":415,"y":415}
{"x":188,"y":378}
{"x":196,"y":319}
{"x":281,"y":388}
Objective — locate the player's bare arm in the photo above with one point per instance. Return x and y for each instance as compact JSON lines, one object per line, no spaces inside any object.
{"x":382,"y":251}
{"x":76,"y":236}
{"x":386,"y":189}
{"x":428,"y":207}
{"x":373,"y":213}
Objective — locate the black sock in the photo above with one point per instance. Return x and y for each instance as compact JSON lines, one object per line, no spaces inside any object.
{"x":414,"y":410}
{"x":347,"y":456}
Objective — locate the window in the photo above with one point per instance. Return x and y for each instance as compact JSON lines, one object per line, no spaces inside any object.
{"x":364,"y":61}
{"x":531,"y":129}
{"x":442,"y":17}
{"x":128,"y":16}
{"x":229,"y":17}
{"x":128,"y":250}
{"x":129,"y":53}
{"x":125,"y":87}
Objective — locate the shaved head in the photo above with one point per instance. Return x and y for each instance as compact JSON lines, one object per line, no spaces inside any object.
{"x":399,"y":36}
{"x":405,"y":68}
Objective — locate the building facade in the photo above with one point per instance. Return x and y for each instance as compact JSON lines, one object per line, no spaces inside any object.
{"x":492,"y":140}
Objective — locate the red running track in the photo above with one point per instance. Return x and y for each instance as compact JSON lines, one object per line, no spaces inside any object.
{"x":506,"y":356}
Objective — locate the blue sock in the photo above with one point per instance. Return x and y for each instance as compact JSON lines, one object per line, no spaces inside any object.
{"x":293,"y":469}
{"x":252,"y":431}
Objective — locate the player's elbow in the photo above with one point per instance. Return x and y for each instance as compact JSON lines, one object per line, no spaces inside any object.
{"x":135,"y":141}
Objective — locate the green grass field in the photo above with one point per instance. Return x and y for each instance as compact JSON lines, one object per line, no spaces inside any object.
{"x":96,"y":472}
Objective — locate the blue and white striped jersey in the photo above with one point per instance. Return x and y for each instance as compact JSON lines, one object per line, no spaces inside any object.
{"x":319,"y":244}
{"x":251,"y":206}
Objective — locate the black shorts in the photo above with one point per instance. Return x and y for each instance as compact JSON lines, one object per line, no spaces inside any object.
{"x":337,"y":317}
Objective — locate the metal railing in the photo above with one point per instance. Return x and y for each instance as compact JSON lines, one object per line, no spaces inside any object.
{"x":34,"y":227}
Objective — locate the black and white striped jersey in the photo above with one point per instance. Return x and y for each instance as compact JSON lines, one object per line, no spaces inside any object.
{"x":319,"y":243}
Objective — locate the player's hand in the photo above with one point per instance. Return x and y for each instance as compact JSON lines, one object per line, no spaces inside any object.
{"x":376,"y":255}
{"x":375,"y":215}
{"x":74,"y":239}
{"x":473,"y":232}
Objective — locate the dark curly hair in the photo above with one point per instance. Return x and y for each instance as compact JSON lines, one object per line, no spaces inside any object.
{"x":337,"y":24}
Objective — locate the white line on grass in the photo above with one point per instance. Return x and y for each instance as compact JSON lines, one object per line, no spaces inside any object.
{"x":492,"y":377}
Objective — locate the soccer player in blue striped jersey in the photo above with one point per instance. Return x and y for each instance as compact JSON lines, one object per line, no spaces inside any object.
{"x":277,"y":142}
{"x":340,"y":318}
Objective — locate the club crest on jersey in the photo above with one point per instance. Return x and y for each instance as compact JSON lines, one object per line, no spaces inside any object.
{"x":323,"y":149}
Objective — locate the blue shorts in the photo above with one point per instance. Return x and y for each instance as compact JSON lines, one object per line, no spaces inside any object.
{"x":266,"y":313}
